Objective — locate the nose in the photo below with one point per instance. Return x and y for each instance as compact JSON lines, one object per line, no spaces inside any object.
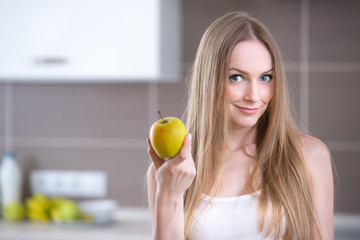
{"x":252,"y":92}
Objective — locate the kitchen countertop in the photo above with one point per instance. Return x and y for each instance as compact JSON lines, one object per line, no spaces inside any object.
{"x":129,"y":224}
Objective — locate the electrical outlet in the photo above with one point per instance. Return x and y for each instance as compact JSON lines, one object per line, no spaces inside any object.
{"x":69,"y":183}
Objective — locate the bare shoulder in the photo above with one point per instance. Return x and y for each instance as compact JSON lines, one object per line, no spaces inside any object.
{"x":318,"y":160}
{"x":315,"y":152}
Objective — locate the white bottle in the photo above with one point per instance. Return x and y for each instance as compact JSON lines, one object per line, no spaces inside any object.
{"x":10,"y":180}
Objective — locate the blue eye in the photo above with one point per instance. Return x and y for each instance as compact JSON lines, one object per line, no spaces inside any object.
{"x":236,"y":78}
{"x":266,"y":78}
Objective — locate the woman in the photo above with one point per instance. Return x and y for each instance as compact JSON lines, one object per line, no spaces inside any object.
{"x":244,"y":171}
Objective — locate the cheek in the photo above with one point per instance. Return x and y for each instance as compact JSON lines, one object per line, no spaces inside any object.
{"x":233,"y":94}
{"x":267,"y":94}
{"x":269,"y":97}
{"x":230,"y":95}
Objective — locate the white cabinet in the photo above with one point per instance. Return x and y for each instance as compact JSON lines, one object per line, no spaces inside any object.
{"x":89,"y":40}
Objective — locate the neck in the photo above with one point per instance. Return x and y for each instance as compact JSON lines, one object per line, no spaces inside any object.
{"x":237,"y":136}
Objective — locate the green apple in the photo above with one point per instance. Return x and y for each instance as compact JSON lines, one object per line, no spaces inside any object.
{"x":14,"y":212}
{"x":68,"y":210}
{"x":167,"y":136}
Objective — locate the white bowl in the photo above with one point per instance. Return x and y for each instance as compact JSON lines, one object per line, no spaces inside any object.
{"x":102,"y":211}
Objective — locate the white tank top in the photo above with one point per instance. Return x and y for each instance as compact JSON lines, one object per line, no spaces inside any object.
{"x":227,"y":218}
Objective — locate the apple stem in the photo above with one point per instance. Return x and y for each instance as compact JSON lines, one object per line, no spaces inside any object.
{"x":161,"y":116}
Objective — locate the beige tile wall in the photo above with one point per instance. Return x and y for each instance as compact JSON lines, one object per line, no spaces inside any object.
{"x":333,"y":91}
{"x":334,"y":114}
{"x":334,"y":31}
{"x":104,"y":126}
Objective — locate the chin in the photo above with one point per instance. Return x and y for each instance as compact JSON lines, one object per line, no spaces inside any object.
{"x":240,"y":120}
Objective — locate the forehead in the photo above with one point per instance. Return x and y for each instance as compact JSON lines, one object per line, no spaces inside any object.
{"x":251,"y":56}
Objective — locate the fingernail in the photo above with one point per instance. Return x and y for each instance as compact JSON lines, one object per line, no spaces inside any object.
{"x":189,"y":136}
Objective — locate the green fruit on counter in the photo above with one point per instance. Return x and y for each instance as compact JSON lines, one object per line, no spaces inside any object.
{"x":64,"y":209}
{"x":58,"y":209}
{"x":69,"y":210}
{"x":37,"y":202}
{"x":33,"y":206}
{"x":55,"y":215}
{"x":14,"y":212}
{"x":38,"y":216}
{"x":35,"y":211}
{"x":41,"y":200}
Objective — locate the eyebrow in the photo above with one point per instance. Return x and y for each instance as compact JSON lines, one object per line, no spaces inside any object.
{"x":246,"y":73}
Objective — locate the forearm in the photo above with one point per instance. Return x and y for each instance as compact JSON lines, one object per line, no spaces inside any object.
{"x":168,"y":182}
{"x":169,"y":218}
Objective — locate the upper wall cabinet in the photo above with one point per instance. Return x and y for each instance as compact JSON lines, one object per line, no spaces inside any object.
{"x":90,"y":40}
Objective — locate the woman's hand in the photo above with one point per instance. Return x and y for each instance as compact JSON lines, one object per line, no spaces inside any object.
{"x":174,"y":176}
{"x":168,"y":180}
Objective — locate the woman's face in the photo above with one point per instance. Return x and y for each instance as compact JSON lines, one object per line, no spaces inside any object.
{"x":251,"y":83}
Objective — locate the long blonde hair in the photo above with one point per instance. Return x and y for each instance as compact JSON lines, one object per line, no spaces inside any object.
{"x":286,"y":187}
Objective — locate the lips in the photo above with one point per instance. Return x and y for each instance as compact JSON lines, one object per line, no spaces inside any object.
{"x":248,"y":110}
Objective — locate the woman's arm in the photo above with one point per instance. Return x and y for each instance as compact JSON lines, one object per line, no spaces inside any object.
{"x":167,"y":183}
{"x":318,"y":159}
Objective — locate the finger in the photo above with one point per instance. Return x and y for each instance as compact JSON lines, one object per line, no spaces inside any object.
{"x":185,"y":151}
{"x":154,"y":157}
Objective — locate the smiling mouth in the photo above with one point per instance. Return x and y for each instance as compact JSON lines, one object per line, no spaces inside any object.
{"x":248,"y":110}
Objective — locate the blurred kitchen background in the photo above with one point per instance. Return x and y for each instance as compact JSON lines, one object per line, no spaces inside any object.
{"x":101,"y":125}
